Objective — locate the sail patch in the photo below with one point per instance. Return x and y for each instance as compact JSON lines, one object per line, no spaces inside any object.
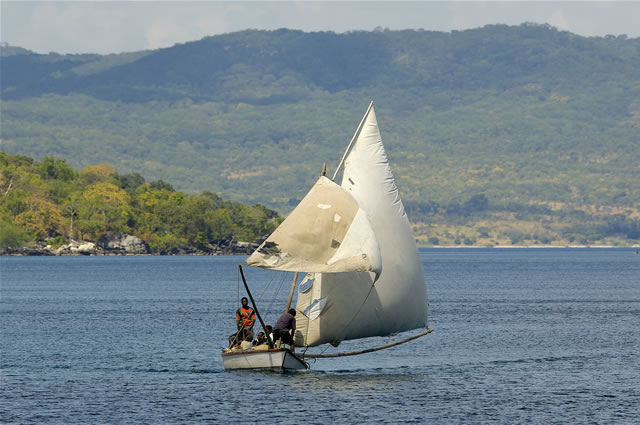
{"x":314,"y":309}
{"x":306,"y":284}
{"x":274,"y":260}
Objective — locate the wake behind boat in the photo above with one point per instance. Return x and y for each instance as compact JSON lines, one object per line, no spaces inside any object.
{"x":353,"y":242}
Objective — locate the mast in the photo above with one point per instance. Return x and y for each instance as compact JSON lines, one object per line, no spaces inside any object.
{"x":254,"y":306}
{"x":293,"y":287}
{"x":355,"y":135}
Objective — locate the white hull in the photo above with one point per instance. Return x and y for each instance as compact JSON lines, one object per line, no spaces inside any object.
{"x":280,"y":358}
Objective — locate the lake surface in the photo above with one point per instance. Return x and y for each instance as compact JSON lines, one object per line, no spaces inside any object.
{"x":521,"y":335}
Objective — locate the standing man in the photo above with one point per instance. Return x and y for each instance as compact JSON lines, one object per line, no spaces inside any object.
{"x":245,"y":318}
{"x":285,"y":328}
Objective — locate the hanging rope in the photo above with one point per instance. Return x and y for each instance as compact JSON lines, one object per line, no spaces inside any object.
{"x":281,"y":280}
{"x":346,"y":152}
{"x":238,"y":287}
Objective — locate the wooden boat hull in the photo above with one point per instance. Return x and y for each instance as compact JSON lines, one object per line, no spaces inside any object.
{"x":277,"y":358}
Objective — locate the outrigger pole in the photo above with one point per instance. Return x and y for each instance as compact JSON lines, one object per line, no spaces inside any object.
{"x":369,"y":350}
{"x":254,"y":306}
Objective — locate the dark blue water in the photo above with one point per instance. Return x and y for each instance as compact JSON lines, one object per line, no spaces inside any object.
{"x":521,"y":335}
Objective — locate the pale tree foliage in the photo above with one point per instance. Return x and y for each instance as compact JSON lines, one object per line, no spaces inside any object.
{"x":103,"y":207}
{"x":95,"y":173}
{"x":42,"y":218}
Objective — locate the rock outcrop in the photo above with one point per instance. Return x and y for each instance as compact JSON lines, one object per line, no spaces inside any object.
{"x":76,"y":248}
{"x":123,"y":244}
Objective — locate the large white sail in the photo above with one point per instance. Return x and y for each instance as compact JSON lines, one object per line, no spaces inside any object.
{"x":337,"y":306}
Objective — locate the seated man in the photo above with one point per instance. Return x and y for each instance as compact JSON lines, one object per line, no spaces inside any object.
{"x":269,"y":334}
{"x":285,"y":328}
{"x":260,"y":339}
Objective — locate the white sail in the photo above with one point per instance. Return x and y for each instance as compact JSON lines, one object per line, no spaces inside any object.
{"x":326,"y":232}
{"x":342,"y":306}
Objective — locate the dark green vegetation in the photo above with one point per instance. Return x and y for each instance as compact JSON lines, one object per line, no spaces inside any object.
{"x":544,"y":124}
{"x":49,"y":200}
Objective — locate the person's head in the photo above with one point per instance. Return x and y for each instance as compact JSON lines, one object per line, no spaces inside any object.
{"x":244,"y":301}
{"x":292,"y":311}
{"x":260,"y":336}
{"x":269,"y":328}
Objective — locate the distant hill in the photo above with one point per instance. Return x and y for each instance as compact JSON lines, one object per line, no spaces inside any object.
{"x":524,"y":115}
{"x":8,"y":50}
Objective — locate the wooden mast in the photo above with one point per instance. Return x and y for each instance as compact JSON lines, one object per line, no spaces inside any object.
{"x":293,"y":287}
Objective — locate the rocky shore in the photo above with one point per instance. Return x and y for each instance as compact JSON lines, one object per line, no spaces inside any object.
{"x":122,"y":244}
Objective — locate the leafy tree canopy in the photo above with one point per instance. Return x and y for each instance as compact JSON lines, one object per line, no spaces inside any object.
{"x":99,"y":201}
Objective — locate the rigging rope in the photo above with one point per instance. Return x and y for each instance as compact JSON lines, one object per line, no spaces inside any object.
{"x":237,"y":287}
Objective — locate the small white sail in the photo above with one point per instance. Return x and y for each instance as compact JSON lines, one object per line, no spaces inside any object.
{"x":352,"y":306}
{"x":327,"y":232}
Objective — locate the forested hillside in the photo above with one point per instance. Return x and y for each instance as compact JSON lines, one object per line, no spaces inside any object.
{"x":541,"y":125}
{"x":50,"y":202}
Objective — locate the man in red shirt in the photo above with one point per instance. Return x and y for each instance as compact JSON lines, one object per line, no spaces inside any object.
{"x":245,"y":318}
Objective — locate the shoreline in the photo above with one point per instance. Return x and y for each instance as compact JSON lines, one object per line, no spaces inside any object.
{"x":634,"y":246}
{"x":125,"y":245}
{"x":113,"y":254}
{"x":98,"y":253}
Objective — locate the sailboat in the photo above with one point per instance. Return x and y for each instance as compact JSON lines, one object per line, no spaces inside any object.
{"x":353,"y":243}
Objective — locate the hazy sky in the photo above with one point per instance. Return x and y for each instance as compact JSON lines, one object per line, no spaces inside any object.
{"x":118,"y":26}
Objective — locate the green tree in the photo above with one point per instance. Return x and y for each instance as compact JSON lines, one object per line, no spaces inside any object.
{"x":10,"y":236}
{"x":104,"y":207}
{"x":477,"y":203}
{"x":130,"y":182}
{"x":56,"y":168}
{"x":161,"y":185}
